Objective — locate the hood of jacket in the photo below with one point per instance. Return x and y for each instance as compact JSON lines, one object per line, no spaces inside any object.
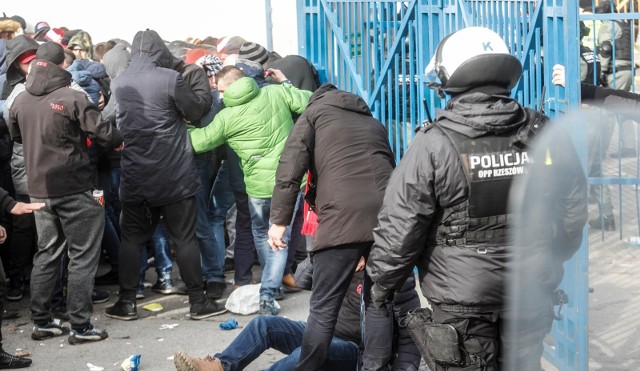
{"x":116,"y":60}
{"x":330,"y":95}
{"x":477,"y":113}
{"x":3,"y":57}
{"x":241,"y":92}
{"x":96,"y":69}
{"x":148,"y":45}
{"x":46,"y":77}
{"x":15,"y":47}
{"x":79,"y":74}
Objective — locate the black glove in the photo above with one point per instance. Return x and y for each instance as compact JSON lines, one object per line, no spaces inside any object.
{"x":379,"y":296}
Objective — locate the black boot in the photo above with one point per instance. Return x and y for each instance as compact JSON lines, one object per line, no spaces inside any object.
{"x":8,"y":361}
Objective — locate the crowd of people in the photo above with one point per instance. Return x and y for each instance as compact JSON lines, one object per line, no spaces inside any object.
{"x":134,"y":148}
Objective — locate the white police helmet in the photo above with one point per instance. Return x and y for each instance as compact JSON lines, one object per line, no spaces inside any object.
{"x":472,"y":57}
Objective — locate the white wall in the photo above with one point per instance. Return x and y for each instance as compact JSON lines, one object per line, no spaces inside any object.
{"x":186,"y":18}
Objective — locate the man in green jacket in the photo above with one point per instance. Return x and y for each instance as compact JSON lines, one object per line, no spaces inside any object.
{"x":255,"y":124}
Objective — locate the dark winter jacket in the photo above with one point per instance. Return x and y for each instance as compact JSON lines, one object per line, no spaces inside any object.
{"x":195,"y":77}
{"x":115,"y":62}
{"x":349,"y":153}
{"x":52,"y":121}
{"x":429,"y":180}
{"x":16,"y":47}
{"x":153,"y":101}
{"x":6,"y":202}
{"x":298,"y":70}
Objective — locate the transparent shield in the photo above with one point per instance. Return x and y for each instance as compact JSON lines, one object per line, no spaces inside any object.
{"x":573,"y":287}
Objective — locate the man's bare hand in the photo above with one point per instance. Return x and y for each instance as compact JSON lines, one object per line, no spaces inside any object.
{"x":276,"y":74}
{"x":276,"y":233}
{"x":3,"y":234}
{"x":24,"y":208}
{"x":119,"y":148}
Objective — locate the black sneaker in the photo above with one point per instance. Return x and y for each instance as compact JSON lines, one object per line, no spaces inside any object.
{"x":88,"y":335}
{"x":164,"y":286}
{"x":123,"y":309}
{"x":99,"y":296}
{"x":111,"y":278}
{"x":215,"y":289}
{"x":206,"y":309}
{"x":51,"y":329}
{"x":16,"y":289}
{"x":10,"y":361}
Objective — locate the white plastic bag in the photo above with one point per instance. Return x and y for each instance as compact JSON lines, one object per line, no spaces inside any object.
{"x":245,"y":300}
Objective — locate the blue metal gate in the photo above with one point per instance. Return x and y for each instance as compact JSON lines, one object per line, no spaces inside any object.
{"x":378,"y":49}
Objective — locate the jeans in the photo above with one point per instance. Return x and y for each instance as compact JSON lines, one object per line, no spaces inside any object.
{"x":114,"y":206}
{"x":211,"y":252}
{"x":284,"y":335}
{"x":161,"y":252}
{"x":111,"y":236}
{"x":221,"y":201}
{"x":244,"y":246}
{"x":272,"y":262}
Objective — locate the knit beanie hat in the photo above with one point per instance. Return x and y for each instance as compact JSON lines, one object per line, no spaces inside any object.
{"x":51,"y":51}
{"x":211,"y":64}
{"x":254,"y":52}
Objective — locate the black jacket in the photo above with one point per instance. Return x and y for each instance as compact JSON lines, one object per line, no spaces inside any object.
{"x":429,"y":179}
{"x":349,"y":153}
{"x":52,"y":121}
{"x":153,"y":102}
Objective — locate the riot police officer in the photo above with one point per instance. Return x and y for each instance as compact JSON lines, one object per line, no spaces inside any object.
{"x":445,"y":210}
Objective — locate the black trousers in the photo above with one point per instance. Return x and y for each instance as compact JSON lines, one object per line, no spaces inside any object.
{"x":138,"y":223}
{"x":23,"y":243}
{"x":333,"y":270}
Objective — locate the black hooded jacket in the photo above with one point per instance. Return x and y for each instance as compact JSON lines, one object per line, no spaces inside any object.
{"x":52,"y":121}
{"x":349,"y":153}
{"x":430,"y":180}
{"x":153,"y":101}
{"x":16,"y":47}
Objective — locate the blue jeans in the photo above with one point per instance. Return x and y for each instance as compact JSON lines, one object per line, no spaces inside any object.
{"x":114,"y":206}
{"x":272,"y":262}
{"x":161,"y":252}
{"x":284,"y":335}
{"x":222,"y":200}
{"x":211,"y":253}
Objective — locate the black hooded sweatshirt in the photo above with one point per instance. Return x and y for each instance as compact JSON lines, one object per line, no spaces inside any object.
{"x":52,"y":121}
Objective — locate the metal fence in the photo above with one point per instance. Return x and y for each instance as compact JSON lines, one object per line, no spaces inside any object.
{"x":379,"y":49}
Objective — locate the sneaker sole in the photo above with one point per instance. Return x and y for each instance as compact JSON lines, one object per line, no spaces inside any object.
{"x":100,"y":301}
{"x":76,"y":340}
{"x":14,"y":298}
{"x":48,"y":334}
{"x":164,"y":291}
{"x":123,"y":318}
{"x":183,"y":362}
{"x":198,"y":317}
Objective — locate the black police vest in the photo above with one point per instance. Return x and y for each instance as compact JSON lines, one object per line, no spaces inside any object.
{"x":490,"y":164}
{"x":623,"y":43}
{"x":593,"y":64}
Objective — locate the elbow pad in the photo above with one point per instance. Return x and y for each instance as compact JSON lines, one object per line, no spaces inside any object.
{"x":605,"y":49}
